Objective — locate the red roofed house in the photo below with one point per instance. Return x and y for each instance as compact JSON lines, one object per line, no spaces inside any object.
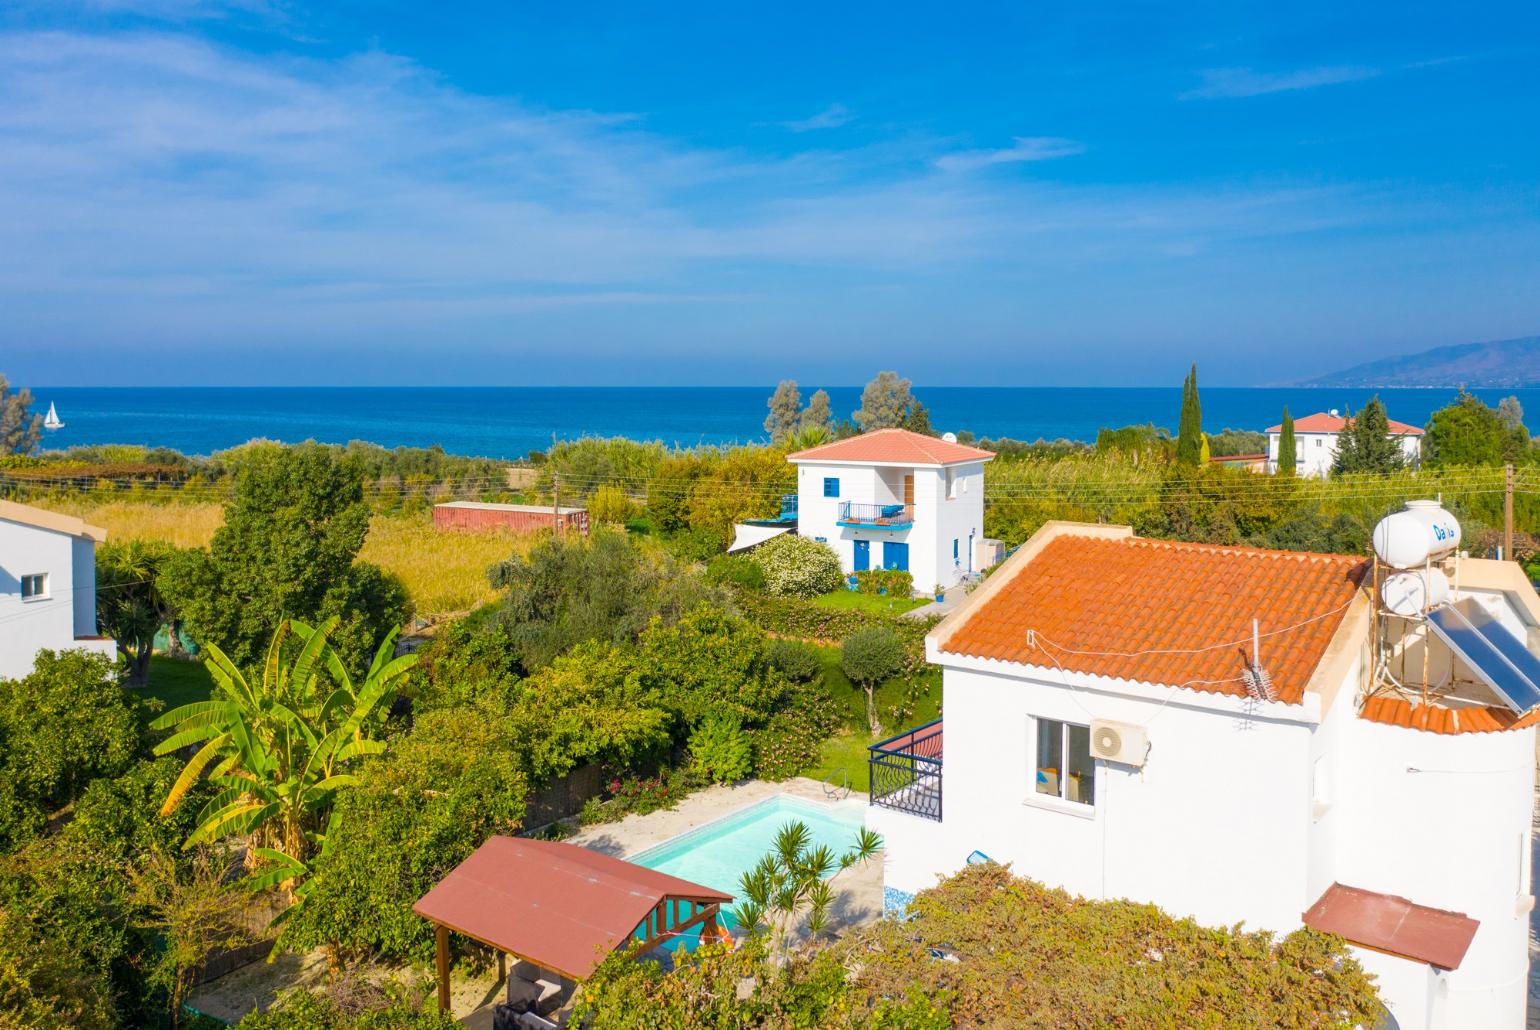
{"x":892,"y":499}
{"x":1315,"y":442}
{"x":1106,"y":732}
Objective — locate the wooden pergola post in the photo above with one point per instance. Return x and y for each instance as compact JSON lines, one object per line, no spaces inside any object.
{"x":441,"y":943}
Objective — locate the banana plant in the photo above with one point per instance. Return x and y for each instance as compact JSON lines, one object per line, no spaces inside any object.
{"x":792,"y":883}
{"x":279,"y":748}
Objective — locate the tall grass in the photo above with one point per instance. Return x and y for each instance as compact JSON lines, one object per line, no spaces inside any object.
{"x":443,"y":571}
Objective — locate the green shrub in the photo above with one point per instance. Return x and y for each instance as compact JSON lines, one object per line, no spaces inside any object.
{"x":720,"y":751}
{"x":795,"y":566}
{"x":893,"y":582}
{"x":789,"y":740}
{"x":364,"y":1007}
{"x":797,"y":661}
{"x":737,"y":569}
{"x":435,"y":796}
{"x":61,"y":726}
{"x":696,"y":544}
{"x":593,"y":812}
{"x":610,"y":505}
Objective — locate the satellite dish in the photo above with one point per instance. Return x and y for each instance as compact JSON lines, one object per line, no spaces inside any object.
{"x":949,"y":437}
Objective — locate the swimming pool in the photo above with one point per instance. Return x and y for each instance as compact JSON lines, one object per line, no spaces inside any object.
{"x":720,"y":852}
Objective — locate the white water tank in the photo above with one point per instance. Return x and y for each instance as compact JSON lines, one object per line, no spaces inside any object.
{"x":1414,"y":591}
{"x":1409,"y":538}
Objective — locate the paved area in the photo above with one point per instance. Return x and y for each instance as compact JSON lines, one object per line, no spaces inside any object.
{"x":936,"y":609}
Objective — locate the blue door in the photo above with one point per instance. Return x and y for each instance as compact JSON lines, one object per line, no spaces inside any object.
{"x":863,"y":555}
{"x":895,"y":556}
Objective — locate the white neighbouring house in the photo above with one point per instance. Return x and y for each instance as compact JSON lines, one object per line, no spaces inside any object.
{"x":1355,"y":801}
{"x":892,"y":499}
{"x":47,"y":586}
{"x":1315,"y":442}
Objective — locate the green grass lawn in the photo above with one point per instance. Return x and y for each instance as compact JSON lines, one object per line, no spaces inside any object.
{"x":847,"y":748}
{"x":879,"y":604}
{"x":176,"y":682}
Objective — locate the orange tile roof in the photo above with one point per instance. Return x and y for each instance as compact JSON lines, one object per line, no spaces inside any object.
{"x":898,"y":446}
{"x":1393,"y":711}
{"x":1326,"y":422}
{"x":1189,"y":604}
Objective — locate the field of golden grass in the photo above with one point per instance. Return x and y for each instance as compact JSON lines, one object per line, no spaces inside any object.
{"x":444,"y":571}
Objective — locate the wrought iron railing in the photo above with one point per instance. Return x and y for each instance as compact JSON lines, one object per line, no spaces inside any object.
{"x":905,"y":771}
{"x":856,"y":513}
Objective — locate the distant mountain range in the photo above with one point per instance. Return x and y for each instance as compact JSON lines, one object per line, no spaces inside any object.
{"x":1494,"y":365}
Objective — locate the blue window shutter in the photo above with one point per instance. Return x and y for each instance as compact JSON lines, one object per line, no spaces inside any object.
{"x":831,"y":487}
{"x":954,"y":548}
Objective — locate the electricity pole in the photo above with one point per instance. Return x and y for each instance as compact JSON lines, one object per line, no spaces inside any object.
{"x":1508,"y":511}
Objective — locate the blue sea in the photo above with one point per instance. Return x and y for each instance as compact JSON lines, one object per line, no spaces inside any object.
{"x":509,"y":422}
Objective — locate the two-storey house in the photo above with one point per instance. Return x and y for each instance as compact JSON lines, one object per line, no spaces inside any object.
{"x":892,"y":499}
{"x":1243,"y":735}
{"x":47,"y":586}
{"x":1315,"y":442}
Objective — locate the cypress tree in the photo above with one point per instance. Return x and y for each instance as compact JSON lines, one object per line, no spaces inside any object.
{"x":1287,"y":453}
{"x":1189,"y":433}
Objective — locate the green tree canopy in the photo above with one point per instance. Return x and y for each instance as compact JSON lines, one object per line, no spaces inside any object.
{"x":1365,"y":443}
{"x":1288,"y":447}
{"x":1189,"y":433}
{"x":869,"y":656}
{"x":20,"y":430}
{"x":885,"y":402}
{"x":817,"y":415}
{"x":287,"y":549}
{"x":131,"y":607}
{"x":1469,"y":432}
{"x":785,"y":410}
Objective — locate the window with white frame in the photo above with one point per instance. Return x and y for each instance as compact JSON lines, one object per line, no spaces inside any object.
{"x":1065,"y":768}
{"x":34,"y":585}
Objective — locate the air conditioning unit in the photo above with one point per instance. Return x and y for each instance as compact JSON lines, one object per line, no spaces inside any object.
{"x":1119,"y":742}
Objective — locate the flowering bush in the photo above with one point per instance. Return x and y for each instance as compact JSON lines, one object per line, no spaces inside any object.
{"x":893,"y":582}
{"x":795,"y":566}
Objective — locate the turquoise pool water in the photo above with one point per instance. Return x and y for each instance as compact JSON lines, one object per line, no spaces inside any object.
{"x":719,"y":853}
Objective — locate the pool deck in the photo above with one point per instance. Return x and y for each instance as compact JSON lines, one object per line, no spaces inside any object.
{"x":857,"y":891}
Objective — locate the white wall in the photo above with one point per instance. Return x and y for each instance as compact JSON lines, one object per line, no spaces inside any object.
{"x":52,"y":622}
{"x":938,"y":518}
{"x":1314,"y":452}
{"x":1215,"y":812}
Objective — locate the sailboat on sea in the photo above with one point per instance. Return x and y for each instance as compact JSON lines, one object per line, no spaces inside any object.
{"x":52,"y":420}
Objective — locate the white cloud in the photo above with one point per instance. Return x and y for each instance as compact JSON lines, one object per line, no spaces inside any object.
{"x":1025,"y":148}
{"x":831,"y":117}
{"x":1225,"y":83}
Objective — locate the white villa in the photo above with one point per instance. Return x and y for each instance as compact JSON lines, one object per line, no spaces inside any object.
{"x":1315,"y":442}
{"x":47,"y":586}
{"x":1107,"y":732}
{"x":892,"y":499}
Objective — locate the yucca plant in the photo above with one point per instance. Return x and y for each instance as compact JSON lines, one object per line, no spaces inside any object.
{"x":792,"y":883}
{"x":280,"y":748}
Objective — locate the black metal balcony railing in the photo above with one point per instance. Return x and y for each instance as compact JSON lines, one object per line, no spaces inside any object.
{"x":892,"y":516}
{"x":905,"y":771}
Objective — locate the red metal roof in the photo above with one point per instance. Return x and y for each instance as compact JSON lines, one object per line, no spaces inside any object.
{"x":896,"y":446}
{"x":1394,"y":925}
{"x":1326,"y":422}
{"x":1139,"y":609}
{"x":560,"y":906}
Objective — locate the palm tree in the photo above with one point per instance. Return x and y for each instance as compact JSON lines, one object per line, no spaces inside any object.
{"x":793,"y":880}
{"x":280,"y":748}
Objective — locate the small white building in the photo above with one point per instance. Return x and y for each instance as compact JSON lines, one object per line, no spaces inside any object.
{"x":47,"y":586}
{"x":1315,"y":442}
{"x":1100,"y":736}
{"x":892,"y":499}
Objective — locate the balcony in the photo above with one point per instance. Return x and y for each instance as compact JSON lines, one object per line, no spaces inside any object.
{"x":786,"y":517}
{"x":905,"y":771}
{"x":876,"y":516}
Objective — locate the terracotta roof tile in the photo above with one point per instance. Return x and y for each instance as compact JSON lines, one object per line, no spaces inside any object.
{"x":1326,"y":422}
{"x":1164,"y":612}
{"x":1394,"y":711}
{"x":898,"y":446}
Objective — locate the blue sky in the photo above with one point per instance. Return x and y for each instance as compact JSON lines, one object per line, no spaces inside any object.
{"x":269,"y":192}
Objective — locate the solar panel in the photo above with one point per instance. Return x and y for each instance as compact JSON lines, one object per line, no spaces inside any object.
{"x":1496,"y":655}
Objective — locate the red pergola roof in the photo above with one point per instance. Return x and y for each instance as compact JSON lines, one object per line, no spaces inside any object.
{"x":1394,"y":925}
{"x":560,"y":906}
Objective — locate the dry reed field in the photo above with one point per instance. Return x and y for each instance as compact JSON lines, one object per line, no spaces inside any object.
{"x":443,"y":571}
